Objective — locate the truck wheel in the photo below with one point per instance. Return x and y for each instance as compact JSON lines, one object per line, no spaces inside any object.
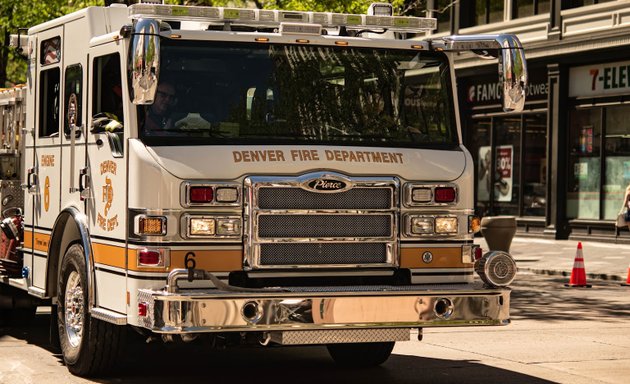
{"x":361,"y":354}
{"x":89,"y":346}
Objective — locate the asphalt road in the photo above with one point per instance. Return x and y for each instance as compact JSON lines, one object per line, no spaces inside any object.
{"x":558,"y":334}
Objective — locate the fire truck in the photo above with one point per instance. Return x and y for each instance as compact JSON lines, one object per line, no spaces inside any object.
{"x":245,"y":176}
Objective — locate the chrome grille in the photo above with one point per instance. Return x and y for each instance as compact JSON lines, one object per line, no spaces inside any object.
{"x":322,"y":253}
{"x":293,"y":225}
{"x":297,"y":198}
{"x":330,"y":226}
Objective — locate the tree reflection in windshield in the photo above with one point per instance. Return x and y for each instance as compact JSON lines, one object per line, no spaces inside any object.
{"x":245,"y":93}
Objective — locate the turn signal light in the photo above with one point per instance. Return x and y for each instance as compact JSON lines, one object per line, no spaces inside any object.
{"x":477,"y":253}
{"x":444,"y":194}
{"x":474,"y":224}
{"x":149,"y":258}
{"x":148,"y":226}
{"x":142,"y":309}
{"x":421,"y":195}
{"x":201,"y":194}
{"x":227,"y":195}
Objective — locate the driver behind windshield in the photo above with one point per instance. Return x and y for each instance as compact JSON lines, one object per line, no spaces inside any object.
{"x":159,"y":114}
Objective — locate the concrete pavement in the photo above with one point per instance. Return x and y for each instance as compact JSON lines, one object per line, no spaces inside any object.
{"x":555,"y":257}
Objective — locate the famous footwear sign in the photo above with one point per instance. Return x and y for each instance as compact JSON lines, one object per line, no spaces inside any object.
{"x":486,"y":90}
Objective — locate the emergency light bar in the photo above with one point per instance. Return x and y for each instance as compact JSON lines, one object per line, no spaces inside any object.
{"x":265,"y":17}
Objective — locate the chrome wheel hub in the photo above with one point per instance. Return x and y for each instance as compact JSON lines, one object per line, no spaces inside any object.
{"x":73,"y":309}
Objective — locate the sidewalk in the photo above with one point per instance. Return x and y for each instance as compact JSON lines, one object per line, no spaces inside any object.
{"x":555,"y":257}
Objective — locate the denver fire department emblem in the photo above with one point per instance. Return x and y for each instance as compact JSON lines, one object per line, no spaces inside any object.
{"x":105,"y":222}
{"x":108,"y":194}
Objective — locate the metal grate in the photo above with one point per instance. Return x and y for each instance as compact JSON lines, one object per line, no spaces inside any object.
{"x":285,"y":254}
{"x":337,"y":336}
{"x":297,"y":198}
{"x":324,"y":226}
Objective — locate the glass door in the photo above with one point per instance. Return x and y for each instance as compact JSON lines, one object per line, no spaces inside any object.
{"x":510,"y":164}
{"x":534,"y":170}
{"x":507,"y":151}
{"x":480,"y":149}
{"x":583,"y":195}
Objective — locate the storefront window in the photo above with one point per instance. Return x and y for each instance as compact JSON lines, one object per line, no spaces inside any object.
{"x":617,"y":153}
{"x":534,"y":165}
{"x":568,"y":4}
{"x":480,"y":149}
{"x":509,"y":150}
{"x":442,"y":13}
{"x":524,"y":8}
{"x":507,"y":165}
{"x":480,"y":12}
{"x":583,"y":193}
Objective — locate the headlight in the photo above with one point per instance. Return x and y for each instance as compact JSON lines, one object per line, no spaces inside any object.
{"x":446,"y":225}
{"x":211,"y":226}
{"x":202,"y":226}
{"x":421,"y":225}
{"x":228,"y":227}
{"x":425,"y":225}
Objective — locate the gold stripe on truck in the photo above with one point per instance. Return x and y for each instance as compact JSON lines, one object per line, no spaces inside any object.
{"x":111,"y":255}
{"x":42,"y":241}
{"x":210,"y":260}
{"x":442,"y":258}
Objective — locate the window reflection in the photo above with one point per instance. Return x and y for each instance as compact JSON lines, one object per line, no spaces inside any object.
{"x":583,"y":193}
{"x":617,"y":152}
{"x":535,"y":165}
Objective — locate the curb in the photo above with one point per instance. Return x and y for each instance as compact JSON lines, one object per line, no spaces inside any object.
{"x":553,"y":272}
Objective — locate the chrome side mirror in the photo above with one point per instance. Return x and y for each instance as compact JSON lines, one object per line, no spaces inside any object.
{"x":144,"y":61}
{"x":512,"y":64}
{"x":512,"y":73}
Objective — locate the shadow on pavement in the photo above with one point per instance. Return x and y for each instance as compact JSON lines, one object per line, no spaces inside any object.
{"x":157,"y":363}
{"x":541,"y":301}
{"x":186,"y":364}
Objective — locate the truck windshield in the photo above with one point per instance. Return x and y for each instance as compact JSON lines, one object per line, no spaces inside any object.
{"x":242,"y":93}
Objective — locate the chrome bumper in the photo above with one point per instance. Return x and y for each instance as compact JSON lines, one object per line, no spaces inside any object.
{"x":324,"y":308}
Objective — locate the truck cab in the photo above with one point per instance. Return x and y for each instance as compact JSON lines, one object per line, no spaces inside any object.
{"x":258,"y":176}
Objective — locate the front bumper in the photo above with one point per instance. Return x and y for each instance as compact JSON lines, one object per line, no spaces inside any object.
{"x":324,"y":308}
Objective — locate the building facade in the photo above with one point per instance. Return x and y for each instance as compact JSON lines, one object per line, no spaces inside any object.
{"x":561,"y":166}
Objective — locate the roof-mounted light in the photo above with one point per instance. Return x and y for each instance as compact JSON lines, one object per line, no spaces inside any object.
{"x":380,"y":9}
{"x":264,"y":17}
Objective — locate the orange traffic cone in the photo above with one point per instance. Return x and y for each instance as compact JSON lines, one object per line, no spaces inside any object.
{"x":627,"y":283}
{"x":578,"y":274}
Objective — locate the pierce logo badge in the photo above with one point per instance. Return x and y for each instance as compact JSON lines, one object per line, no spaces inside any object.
{"x":327,"y":185}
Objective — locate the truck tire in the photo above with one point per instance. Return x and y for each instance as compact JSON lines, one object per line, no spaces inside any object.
{"x":361,"y":354}
{"x":89,"y":346}
{"x":18,"y":309}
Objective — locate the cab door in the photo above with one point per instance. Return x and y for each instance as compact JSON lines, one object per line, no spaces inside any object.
{"x":42,"y":152}
{"x":108,"y":122}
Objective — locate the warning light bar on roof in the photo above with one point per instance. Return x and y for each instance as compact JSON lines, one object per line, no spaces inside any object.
{"x":265,"y":17}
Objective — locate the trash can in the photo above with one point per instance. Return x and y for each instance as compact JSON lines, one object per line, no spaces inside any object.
{"x":498,"y":232}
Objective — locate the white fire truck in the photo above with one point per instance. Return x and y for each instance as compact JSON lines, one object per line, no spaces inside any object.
{"x":245,"y":176}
